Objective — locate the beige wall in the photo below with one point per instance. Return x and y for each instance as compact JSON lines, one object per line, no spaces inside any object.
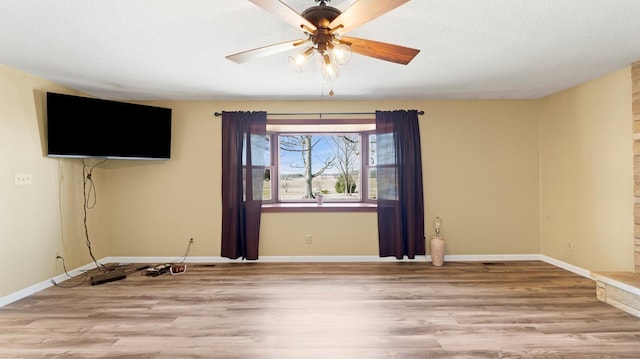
{"x":481,"y":176}
{"x":490,"y":169}
{"x":587,"y":174}
{"x":39,"y":221}
{"x":481,"y":167}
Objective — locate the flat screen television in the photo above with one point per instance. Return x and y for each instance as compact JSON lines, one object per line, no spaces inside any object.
{"x":83,"y":127}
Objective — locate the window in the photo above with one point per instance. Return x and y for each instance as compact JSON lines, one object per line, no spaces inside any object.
{"x":308,"y":159}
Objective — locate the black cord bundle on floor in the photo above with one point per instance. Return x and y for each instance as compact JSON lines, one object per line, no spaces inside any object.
{"x":112,"y":272}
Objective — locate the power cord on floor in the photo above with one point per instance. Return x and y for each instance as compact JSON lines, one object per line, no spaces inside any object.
{"x":174,"y":267}
{"x":84,"y":276}
{"x":186,"y":253}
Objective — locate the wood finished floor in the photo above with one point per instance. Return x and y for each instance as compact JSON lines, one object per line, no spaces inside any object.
{"x":325,"y":310}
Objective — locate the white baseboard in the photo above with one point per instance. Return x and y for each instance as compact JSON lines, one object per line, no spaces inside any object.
{"x":491,"y":257}
{"x":283,"y":259}
{"x":43,"y":285}
{"x":566,"y":266}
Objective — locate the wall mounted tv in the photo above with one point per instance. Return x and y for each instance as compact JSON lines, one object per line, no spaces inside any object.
{"x":83,"y":127}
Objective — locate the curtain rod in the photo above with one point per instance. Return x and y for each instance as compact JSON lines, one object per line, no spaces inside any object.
{"x":218,"y":114}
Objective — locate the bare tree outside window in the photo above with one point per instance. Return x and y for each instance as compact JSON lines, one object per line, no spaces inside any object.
{"x":327,"y":164}
{"x":304,"y":145}
{"x":347,"y":161}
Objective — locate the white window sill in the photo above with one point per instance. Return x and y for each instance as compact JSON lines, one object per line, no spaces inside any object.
{"x":314,"y":207}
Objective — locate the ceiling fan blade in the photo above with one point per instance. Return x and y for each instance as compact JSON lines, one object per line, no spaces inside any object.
{"x":265,"y":51}
{"x":380,"y":50}
{"x":363,"y":11}
{"x":284,"y":12}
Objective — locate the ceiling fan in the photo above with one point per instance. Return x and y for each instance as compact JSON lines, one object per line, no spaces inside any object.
{"x":324,"y":27}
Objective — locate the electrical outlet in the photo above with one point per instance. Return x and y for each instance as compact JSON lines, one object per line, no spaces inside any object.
{"x":23,"y":179}
{"x":308,"y":239}
{"x":58,"y":259}
{"x":191,"y":241}
{"x":570,"y":245}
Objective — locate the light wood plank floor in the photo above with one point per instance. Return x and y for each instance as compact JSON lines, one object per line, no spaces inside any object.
{"x":325,"y":310}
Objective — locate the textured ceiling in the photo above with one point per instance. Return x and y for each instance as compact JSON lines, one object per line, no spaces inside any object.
{"x":471,"y":49}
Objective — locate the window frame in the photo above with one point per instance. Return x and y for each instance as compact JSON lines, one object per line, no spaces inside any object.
{"x":362,"y":127}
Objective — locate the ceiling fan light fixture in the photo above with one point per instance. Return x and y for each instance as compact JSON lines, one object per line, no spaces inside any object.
{"x":325,"y":27}
{"x":300,"y":60}
{"x":341,"y":53}
{"x":329,"y":68}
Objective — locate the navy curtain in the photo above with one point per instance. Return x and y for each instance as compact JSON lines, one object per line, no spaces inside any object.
{"x":243,"y":147}
{"x":399,"y":177}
